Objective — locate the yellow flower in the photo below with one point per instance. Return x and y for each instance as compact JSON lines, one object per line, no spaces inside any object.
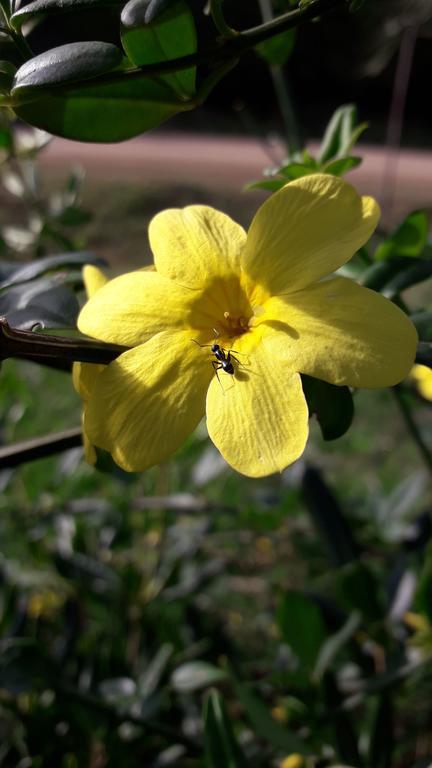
{"x":84,"y":375}
{"x":293,"y":761}
{"x":260,"y":294}
{"x":422,"y":377}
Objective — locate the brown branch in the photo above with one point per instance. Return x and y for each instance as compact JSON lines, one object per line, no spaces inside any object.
{"x":39,"y":447}
{"x":32,"y":346}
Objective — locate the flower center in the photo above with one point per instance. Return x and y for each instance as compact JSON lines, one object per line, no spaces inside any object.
{"x":233,"y":325}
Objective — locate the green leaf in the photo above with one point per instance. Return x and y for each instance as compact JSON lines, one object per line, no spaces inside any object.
{"x":360,"y":590}
{"x":277,"y":50}
{"x":297,"y":170}
{"x":7,"y":72}
{"x":220,"y":746}
{"x":423,"y":324}
{"x":65,"y":64}
{"x":266,"y":727}
{"x":382,"y":742}
{"x":328,"y":517}
{"x":104,"y":112}
{"x":270,"y":184}
{"x":150,"y":38}
{"x":38,"y":9}
{"x":409,"y":239}
{"x":302,"y":627}
{"x":45,"y":302}
{"x":416,"y":271}
{"x":342,"y":165}
{"x":334,"y":644}
{"x":341,"y":134}
{"x":22,"y":273}
{"x":196,"y":675}
{"x":423,"y":599}
{"x":333,"y":406}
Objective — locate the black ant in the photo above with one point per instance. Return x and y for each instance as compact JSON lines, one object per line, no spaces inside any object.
{"x":223,"y":360}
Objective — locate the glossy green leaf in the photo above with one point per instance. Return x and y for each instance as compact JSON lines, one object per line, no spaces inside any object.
{"x":302,"y":627}
{"x":220,"y":745}
{"x":341,"y":134}
{"x":69,"y":63}
{"x":269,"y":729}
{"x":277,"y":50}
{"x":38,"y":9}
{"x":409,"y":239}
{"x":22,"y":273}
{"x":151,"y":38}
{"x":104,"y":112}
{"x":333,"y":406}
{"x":44,"y":302}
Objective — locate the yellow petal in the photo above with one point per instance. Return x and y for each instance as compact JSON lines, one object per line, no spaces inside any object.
{"x":145,"y":403}
{"x":422,"y":376}
{"x":84,"y":376}
{"x":133,"y":307}
{"x":93,"y":279}
{"x":258,"y":419}
{"x":89,"y":449}
{"x":342,"y":333}
{"x":307,"y":230}
{"x":196,"y":244}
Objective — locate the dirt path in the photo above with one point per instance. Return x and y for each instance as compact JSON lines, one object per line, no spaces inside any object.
{"x":229,"y":162}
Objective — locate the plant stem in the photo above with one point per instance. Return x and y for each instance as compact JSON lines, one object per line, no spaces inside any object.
{"x":219,"y":20}
{"x":411,"y":426}
{"x":21,"y":44}
{"x":282,"y":90}
{"x":29,"y":345}
{"x":214,"y":55}
{"x":39,"y":447}
{"x":396,"y":117}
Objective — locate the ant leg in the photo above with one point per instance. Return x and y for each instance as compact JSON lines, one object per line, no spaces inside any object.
{"x":216,"y":368}
{"x":201,"y":345}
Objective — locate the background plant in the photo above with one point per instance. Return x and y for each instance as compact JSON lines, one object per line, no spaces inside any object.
{"x":188,"y":616}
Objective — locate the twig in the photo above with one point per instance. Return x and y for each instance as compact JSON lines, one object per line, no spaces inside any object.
{"x":29,"y":345}
{"x":282,"y":90}
{"x":396,"y":117}
{"x":39,"y":447}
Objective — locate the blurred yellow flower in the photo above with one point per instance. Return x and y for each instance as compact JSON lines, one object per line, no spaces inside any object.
{"x":293,"y":761}
{"x":44,"y":603}
{"x":260,"y":295}
{"x":422,"y":632}
{"x":422,"y":377}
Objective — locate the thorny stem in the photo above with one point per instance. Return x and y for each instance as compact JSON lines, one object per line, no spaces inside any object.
{"x":411,"y":426}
